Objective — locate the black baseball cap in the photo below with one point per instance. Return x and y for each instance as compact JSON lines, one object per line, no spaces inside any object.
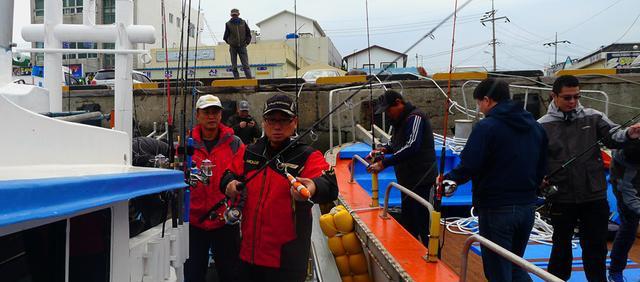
{"x":280,"y":102}
{"x":386,"y":100}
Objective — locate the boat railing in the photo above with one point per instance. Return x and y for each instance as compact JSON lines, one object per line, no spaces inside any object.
{"x":521,"y":262}
{"x":407,"y":192}
{"x":528,"y":88}
{"x":353,"y":166}
{"x":351,"y":106}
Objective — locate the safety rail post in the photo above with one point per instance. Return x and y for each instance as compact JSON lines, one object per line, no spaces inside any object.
{"x":374,"y":180}
{"x":434,"y":219}
{"x":523,"y":263}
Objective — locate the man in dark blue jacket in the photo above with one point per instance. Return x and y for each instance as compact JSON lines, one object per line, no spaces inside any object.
{"x":412,"y":156}
{"x":505,"y":157}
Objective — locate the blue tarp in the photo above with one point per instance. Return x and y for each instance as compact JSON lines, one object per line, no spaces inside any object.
{"x":33,"y":199}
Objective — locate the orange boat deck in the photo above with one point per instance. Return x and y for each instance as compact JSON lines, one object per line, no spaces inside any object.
{"x":399,"y":243}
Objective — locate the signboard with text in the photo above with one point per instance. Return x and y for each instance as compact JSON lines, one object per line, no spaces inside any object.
{"x":616,"y":60}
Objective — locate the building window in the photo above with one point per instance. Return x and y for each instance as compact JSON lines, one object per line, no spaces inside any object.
{"x":39,"y":10}
{"x":72,"y":7}
{"x":390,"y":64}
{"x":366,"y":66}
{"x":108,"y":11}
{"x":109,"y":59}
{"x":170,"y":18}
{"x":79,"y":45}
{"x":178,"y":21}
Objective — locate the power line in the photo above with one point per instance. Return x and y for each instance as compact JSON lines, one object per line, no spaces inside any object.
{"x":629,"y":28}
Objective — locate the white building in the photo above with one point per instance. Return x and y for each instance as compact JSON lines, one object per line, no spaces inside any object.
{"x":380,"y":58}
{"x":146,"y":12}
{"x":313,"y":44}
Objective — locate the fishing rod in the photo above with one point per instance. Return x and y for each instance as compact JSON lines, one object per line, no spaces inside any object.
{"x":373,"y":137}
{"x":295,"y":38}
{"x":595,"y":144}
{"x":315,"y":124}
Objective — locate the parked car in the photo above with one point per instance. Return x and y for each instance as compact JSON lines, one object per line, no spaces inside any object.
{"x":107,"y":77}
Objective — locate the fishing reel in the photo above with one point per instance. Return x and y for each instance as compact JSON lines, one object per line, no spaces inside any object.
{"x":375,"y":156}
{"x":547,"y":191}
{"x":202,"y":174}
{"x":160,"y":161}
{"x":232,"y":215}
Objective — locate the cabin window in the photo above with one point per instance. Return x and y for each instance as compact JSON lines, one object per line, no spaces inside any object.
{"x":366,"y":66}
{"x":38,"y":254}
{"x":170,"y":18}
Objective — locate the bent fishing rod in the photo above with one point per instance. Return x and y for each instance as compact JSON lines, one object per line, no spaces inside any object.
{"x":370,"y":80}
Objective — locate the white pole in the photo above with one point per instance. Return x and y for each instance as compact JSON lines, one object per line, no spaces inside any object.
{"x":6,"y":33}
{"x":53,"y":62}
{"x":89,"y":12}
{"x":124,"y":64}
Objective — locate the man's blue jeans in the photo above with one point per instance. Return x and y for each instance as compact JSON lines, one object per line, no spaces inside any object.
{"x":625,"y":236}
{"x":509,"y":227}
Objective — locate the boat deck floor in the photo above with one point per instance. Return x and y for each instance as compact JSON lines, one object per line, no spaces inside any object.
{"x":452,"y":251}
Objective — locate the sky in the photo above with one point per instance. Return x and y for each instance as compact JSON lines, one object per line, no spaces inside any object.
{"x":398,"y":24}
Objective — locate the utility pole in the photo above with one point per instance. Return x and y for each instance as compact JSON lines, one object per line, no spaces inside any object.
{"x":491,"y":17}
{"x":555,"y":45}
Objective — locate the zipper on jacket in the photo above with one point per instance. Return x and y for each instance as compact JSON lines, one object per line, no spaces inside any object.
{"x":255,"y":222}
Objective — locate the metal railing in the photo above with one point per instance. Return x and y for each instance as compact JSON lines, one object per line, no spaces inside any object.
{"x":523,"y":263}
{"x":334,"y":91}
{"x":409,"y":193}
{"x":353,"y":166}
{"x":526,"y":93}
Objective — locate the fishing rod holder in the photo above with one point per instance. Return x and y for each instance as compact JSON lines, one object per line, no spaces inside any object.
{"x":160,"y":161}
{"x":201,"y":174}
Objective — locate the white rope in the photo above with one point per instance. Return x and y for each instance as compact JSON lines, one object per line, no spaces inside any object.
{"x":541,"y":233}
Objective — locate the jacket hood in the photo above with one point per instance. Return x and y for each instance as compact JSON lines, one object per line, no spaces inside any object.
{"x":513,"y":115}
{"x":556,"y":113}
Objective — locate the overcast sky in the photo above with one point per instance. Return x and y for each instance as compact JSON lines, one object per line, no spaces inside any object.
{"x":397,"y":24}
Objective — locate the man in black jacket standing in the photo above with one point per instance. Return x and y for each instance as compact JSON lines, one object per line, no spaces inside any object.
{"x":505,"y":157}
{"x":243,"y":124}
{"x":581,"y":199}
{"x":238,"y":35}
{"x":413,"y":158}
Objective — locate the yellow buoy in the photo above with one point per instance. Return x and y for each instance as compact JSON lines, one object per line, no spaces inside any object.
{"x":351,"y":243}
{"x":343,"y":265}
{"x":327,"y":225}
{"x":336,"y":247}
{"x":358,"y":264}
{"x":362,"y":278}
{"x":343,"y":221}
{"x":347,"y":278}
{"x":337,"y":208}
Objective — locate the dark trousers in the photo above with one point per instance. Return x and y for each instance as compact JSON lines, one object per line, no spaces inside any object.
{"x":509,"y":227}
{"x":592,"y":218}
{"x":255,"y":273}
{"x":225,"y":244}
{"x":415,"y":217}
{"x":241,"y":52}
{"x":625,"y":237}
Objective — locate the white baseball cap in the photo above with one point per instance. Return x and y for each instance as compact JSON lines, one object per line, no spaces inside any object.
{"x":206,"y":101}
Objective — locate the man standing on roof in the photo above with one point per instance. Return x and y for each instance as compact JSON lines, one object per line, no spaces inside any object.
{"x":238,"y":35}
{"x":276,"y":224}
{"x":625,"y":177}
{"x":243,"y":124}
{"x":215,"y":142}
{"x":505,"y":157}
{"x":413,"y":158}
{"x":581,"y":199}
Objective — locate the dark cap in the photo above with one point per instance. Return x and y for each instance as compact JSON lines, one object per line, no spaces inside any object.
{"x":386,"y":100}
{"x":280,"y":102}
{"x":235,"y":11}
{"x":243,"y":105}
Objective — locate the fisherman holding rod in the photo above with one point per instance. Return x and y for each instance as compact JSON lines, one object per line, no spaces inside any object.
{"x":577,"y":171}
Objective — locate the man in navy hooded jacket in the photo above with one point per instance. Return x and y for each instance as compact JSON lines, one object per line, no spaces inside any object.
{"x":505,"y":157}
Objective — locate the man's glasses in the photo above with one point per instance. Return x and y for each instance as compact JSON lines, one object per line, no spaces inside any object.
{"x":277,"y":121}
{"x":569,"y":97}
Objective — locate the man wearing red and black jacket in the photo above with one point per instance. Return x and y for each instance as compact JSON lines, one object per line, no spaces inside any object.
{"x":216,"y":142}
{"x":276,"y":224}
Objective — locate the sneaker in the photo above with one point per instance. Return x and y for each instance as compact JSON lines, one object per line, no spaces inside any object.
{"x":615,"y":277}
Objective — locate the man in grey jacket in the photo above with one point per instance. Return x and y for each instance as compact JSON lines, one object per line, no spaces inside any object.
{"x":238,"y":35}
{"x":581,"y":199}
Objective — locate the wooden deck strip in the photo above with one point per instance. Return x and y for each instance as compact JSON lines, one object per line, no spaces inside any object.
{"x":407,"y":251}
